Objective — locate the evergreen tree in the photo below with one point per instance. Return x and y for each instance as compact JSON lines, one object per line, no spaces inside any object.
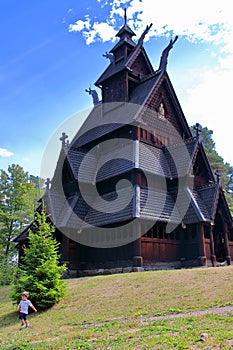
{"x":40,"y":273}
{"x":19,"y":193}
{"x":18,"y":196}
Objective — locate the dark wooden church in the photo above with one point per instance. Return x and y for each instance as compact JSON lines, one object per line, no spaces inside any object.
{"x":134,"y":188}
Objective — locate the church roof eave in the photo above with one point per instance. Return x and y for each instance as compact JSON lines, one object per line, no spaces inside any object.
{"x":111,"y":70}
{"x":211,"y":195}
{"x":126,"y":41}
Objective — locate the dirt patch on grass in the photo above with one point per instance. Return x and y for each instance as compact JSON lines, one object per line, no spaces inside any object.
{"x":224,"y":310}
{"x":42,"y":340}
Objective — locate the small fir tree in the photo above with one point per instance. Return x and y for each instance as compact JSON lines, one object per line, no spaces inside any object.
{"x":40,"y":273}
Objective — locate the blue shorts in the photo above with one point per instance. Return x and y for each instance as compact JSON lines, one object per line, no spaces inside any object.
{"x":22,"y":316}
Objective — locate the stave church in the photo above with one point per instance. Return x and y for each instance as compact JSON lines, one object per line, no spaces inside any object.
{"x":134,"y":189}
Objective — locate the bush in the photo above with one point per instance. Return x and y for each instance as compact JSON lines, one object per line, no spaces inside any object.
{"x":40,"y":273}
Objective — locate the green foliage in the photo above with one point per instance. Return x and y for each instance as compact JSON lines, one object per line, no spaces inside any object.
{"x":19,"y":193}
{"x":7,"y":271}
{"x":40,"y":274}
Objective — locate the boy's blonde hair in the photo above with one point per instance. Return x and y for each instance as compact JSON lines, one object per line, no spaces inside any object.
{"x":26,"y":294}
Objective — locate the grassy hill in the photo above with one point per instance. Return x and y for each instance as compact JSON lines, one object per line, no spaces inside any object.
{"x":119,"y":312}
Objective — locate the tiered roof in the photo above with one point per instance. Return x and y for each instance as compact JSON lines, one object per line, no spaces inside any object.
{"x":163,"y":204}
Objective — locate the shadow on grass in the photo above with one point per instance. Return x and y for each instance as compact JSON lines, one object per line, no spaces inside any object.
{"x":7,"y":319}
{"x":11,"y":318}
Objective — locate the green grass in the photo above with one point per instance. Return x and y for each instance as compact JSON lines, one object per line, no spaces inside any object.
{"x":116,"y":312}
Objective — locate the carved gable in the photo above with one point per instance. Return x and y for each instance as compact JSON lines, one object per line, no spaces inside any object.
{"x":166,"y":110}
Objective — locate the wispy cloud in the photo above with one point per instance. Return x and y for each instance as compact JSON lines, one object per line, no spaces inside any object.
{"x":5,"y":153}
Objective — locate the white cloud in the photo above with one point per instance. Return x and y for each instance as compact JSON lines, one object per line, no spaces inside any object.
{"x":80,"y":25}
{"x":207,"y":20}
{"x":5,"y":153}
{"x":100,"y":30}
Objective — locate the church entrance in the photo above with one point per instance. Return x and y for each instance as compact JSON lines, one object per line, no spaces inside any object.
{"x":219,"y":239}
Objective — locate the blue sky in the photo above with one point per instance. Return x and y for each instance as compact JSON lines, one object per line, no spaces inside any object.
{"x":51,"y":51}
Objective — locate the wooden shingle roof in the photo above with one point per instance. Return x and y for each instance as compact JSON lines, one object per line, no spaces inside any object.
{"x":209,"y":195}
{"x":170,"y":162}
{"x":153,"y":160}
{"x":158,"y":206}
{"x":197,"y":211}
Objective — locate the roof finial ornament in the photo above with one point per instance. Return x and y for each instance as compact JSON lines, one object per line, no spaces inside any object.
{"x":110,"y":56}
{"x":125,"y":16}
{"x":94,"y":95}
{"x":47,"y":183}
{"x":198,"y":129}
{"x":164,"y":56}
{"x":218,"y":175}
{"x":144,"y":34}
{"x":63,"y":139}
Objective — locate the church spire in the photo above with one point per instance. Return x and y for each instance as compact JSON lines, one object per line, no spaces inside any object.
{"x":125,"y":31}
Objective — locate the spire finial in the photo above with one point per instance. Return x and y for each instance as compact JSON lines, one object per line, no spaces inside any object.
{"x":47,"y":183}
{"x":63,"y":139}
{"x":125,"y":16}
{"x":218,"y":175}
{"x":198,"y":129}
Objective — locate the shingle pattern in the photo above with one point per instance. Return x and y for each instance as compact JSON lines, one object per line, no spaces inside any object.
{"x":159,"y":205}
{"x":141,"y":92}
{"x":179,"y":157}
{"x":78,"y":213}
{"x":197,"y":210}
{"x":153,"y":160}
{"x":98,"y":215}
{"x":56,"y":205}
{"x":75,"y":157}
{"x":208,"y":195}
{"x":156,"y":160}
{"x":189,"y":205}
{"x":94,"y":133}
{"x":116,"y":161}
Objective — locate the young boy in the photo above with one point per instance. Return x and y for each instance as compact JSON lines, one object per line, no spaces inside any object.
{"x":23,"y":309}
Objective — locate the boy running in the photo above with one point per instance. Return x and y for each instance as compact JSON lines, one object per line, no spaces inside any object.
{"x":23,"y":309}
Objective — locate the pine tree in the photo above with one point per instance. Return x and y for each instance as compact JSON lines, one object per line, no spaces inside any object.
{"x":40,"y":273}
{"x":19,"y":193}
